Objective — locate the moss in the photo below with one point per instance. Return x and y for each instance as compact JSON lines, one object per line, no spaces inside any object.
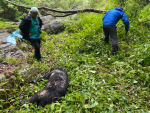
{"x":11,"y":30}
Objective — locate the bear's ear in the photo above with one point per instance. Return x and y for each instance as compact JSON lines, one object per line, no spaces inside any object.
{"x":52,"y":74}
{"x":24,"y":101}
{"x":47,"y":76}
{"x":34,"y":80}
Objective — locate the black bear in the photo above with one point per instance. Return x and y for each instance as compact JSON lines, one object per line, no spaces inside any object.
{"x":55,"y":88}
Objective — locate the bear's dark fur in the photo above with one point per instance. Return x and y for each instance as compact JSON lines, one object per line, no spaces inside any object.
{"x":56,"y":87}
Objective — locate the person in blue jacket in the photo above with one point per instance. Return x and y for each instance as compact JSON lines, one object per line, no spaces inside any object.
{"x":109,"y":26}
{"x":30,"y":27}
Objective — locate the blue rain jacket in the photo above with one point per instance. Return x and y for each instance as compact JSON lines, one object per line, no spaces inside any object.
{"x":113,"y":16}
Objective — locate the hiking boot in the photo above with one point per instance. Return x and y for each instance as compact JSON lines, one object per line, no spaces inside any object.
{"x":115,"y":53}
{"x":106,"y":41}
{"x":115,"y":50}
{"x":39,"y":60}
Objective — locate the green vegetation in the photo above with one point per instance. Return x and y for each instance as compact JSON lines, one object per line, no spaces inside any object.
{"x":14,"y":13}
{"x":98,"y":81}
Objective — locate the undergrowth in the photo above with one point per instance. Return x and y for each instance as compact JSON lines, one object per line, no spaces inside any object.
{"x":98,"y":81}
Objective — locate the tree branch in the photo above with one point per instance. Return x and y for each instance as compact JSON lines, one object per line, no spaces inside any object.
{"x":74,"y":11}
{"x":70,"y":12}
{"x":57,"y":15}
{"x":18,"y":5}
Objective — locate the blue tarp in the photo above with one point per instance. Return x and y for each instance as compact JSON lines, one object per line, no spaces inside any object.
{"x":11,"y":38}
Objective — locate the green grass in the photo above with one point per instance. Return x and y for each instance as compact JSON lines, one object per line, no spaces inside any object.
{"x":7,"y":24}
{"x":98,"y":81}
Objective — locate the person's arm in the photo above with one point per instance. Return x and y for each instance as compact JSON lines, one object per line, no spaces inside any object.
{"x":126,"y":22}
{"x":24,"y":27}
{"x":40,"y":22}
{"x":105,"y":15}
{"x":126,"y":31}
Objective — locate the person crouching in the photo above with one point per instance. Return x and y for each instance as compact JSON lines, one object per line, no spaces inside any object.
{"x":109,"y":26}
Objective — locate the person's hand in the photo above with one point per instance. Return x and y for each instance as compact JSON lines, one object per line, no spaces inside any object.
{"x":126,"y":32}
{"x":30,"y":34}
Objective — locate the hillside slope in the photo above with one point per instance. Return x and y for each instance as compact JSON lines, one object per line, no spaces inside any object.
{"x":98,"y":81}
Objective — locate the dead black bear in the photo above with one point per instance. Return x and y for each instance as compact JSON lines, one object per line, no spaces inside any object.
{"x":55,"y":88}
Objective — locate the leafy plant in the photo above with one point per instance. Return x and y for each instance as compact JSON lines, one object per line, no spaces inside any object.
{"x":98,"y":81}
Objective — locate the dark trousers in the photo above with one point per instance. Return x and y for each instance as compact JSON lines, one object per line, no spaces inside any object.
{"x":36,"y":44}
{"x":112,"y":32}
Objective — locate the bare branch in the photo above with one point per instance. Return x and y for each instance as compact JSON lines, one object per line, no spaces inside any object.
{"x":74,"y":11}
{"x":18,"y":5}
{"x":70,"y":12}
{"x":57,"y":15}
